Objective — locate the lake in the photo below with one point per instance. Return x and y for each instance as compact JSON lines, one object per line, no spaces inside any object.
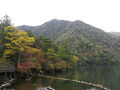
{"x":108,"y":76}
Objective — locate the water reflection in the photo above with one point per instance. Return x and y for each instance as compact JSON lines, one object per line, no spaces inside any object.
{"x":107,"y":76}
{"x":43,"y":82}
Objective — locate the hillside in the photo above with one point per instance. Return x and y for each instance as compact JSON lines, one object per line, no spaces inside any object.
{"x":115,"y":33}
{"x":90,"y":44}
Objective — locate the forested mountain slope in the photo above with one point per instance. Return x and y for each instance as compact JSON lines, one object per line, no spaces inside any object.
{"x":115,"y":33}
{"x":90,"y":44}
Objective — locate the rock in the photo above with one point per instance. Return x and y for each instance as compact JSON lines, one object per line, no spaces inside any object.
{"x":41,"y":72}
{"x":49,"y":88}
{"x":28,"y":79}
{"x":92,"y":89}
{"x":46,"y":88}
{"x":42,"y":88}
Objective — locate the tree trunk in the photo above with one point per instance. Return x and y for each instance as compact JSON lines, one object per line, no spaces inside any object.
{"x":18,"y":59}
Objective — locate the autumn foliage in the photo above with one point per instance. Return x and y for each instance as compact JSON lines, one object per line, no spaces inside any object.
{"x":26,"y":66}
{"x":28,"y":52}
{"x":32,"y":59}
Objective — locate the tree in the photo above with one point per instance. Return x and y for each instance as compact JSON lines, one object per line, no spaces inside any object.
{"x":51,"y":55}
{"x":34,"y":55}
{"x":16,"y":42}
{"x":44,"y":43}
{"x":75,"y":59}
{"x":4,"y":22}
{"x":64,"y":54}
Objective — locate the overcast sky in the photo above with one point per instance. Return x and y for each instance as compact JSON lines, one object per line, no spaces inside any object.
{"x":104,"y":14}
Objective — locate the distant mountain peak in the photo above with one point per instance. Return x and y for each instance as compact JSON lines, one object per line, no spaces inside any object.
{"x":78,"y":21}
{"x":58,"y":20}
{"x":86,"y":40}
{"x":55,"y":20}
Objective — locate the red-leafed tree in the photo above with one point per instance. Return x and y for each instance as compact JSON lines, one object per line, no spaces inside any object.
{"x":32,"y":58}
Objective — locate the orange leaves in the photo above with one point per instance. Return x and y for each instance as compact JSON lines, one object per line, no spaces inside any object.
{"x":33,"y":54}
{"x":61,"y":65}
{"x":32,"y":59}
{"x":31,"y":50}
{"x":51,"y":66}
{"x":25,"y":66}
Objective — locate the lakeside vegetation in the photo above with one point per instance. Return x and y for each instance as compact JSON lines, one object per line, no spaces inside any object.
{"x":59,"y":47}
{"x":29,"y":53}
{"x":31,"y":49}
{"x":91,"y":45}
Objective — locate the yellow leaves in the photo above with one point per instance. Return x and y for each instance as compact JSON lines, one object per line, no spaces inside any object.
{"x":8,"y":45}
{"x":10,"y":29}
{"x":18,"y":37}
{"x":51,"y":54}
{"x":51,"y":66}
{"x":32,"y":39}
{"x":8,"y":52}
{"x":21,"y":49}
{"x":17,"y":40}
{"x":10,"y":34}
{"x":31,"y":50}
{"x":38,"y":67}
{"x":2,"y":60}
{"x":75,"y":59}
{"x":7,"y":38}
{"x":22,"y":39}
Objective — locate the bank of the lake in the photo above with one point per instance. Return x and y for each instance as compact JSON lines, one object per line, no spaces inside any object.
{"x":107,"y":76}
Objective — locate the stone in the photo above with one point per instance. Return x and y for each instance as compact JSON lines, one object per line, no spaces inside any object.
{"x":46,"y":88}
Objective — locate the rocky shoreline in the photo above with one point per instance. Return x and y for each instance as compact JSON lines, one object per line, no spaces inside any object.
{"x":6,"y":84}
{"x":46,"y":88}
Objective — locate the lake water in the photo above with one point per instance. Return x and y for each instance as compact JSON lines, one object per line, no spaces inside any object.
{"x":108,"y":76}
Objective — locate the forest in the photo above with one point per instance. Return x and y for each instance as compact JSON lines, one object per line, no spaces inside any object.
{"x":56,"y":45}
{"x":91,"y":45}
{"x":29,"y":53}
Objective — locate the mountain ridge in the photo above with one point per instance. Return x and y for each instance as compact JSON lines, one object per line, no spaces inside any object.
{"x":115,"y":33}
{"x":90,"y":44}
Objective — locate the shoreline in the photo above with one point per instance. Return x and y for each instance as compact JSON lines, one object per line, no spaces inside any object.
{"x":6,"y":84}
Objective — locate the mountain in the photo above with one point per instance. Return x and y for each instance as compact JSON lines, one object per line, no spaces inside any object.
{"x":90,"y":44}
{"x":115,"y":33}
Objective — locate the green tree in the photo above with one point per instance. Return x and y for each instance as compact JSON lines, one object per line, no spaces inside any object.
{"x":4,"y":22}
{"x":64,"y":54}
{"x":50,"y":54}
{"x":44,"y":43}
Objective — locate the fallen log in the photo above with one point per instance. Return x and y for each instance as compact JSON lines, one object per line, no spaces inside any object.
{"x":82,"y":82}
{"x":6,"y":84}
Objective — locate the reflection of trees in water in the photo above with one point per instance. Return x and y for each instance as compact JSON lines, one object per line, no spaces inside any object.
{"x":28,"y":85}
{"x":6,"y":76}
{"x":76,"y":75}
{"x":107,"y":76}
{"x":43,"y":82}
